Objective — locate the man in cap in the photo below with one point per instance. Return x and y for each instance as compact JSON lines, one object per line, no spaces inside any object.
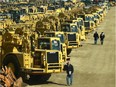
{"x":68,"y":67}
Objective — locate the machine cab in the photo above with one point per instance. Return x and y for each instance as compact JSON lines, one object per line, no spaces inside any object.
{"x":49,"y":43}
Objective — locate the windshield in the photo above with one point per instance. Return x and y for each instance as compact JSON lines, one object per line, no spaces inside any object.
{"x":44,"y":44}
{"x":16,"y":12}
{"x":23,"y":11}
{"x":77,"y":23}
{"x":81,"y":22}
{"x":31,"y":10}
{"x":65,"y":28}
{"x":87,"y":24}
{"x":95,"y":16}
{"x":87,"y":18}
{"x":51,"y":8}
{"x":61,"y":36}
{"x":82,"y":16}
{"x":92,"y":18}
{"x":40,"y":9}
{"x":55,"y":45}
{"x":49,"y":34}
{"x":100,"y":12}
{"x":74,"y":28}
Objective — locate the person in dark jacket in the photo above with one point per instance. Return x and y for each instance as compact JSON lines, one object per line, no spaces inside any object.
{"x":69,"y":70}
{"x":96,"y":37}
{"x":102,"y":36}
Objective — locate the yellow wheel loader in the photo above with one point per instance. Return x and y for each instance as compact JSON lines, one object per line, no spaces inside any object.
{"x":24,"y":54}
{"x":80,"y":27}
{"x":88,"y":22}
{"x":72,"y":37}
{"x":62,"y":40}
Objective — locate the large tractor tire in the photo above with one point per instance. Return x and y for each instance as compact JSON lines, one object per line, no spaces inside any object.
{"x":68,"y":51}
{"x":12,"y":62}
{"x":40,"y":78}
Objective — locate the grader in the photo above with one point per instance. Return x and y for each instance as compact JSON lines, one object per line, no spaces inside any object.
{"x":20,"y":51}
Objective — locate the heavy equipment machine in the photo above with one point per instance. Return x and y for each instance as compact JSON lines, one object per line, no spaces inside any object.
{"x":62,"y":40}
{"x":51,"y":43}
{"x":80,"y":27}
{"x":72,"y":37}
{"x":21,"y":15}
{"x":101,"y":13}
{"x":80,"y":24}
{"x":91,"y":18}
{"x":49,"y":23}
{"x":42,"y":26}
{"x":42,"y":9}
{"x":20,"y":50}
{"x":5,"y":24}
{"x":97,"y":18}
{"x":50,"y":10}
{"x":15,"y":15}
{"x":100,"y":10}
{"x":88,"y":21}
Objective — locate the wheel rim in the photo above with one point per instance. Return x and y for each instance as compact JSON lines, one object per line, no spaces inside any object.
{"x":11,"y":65}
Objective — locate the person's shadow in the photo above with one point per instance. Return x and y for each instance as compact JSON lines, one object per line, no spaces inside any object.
{"x":40,"y":83}
{"x":50,"y":82}
{"x":92,"y":44}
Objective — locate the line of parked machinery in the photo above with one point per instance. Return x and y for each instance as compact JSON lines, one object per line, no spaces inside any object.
{"x":35,"y":40}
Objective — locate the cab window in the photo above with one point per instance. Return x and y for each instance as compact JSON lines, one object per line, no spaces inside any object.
{"x":74,"y":29}
{"x":44,"y":44}
{"x":61,"y":36}
{"x":55,"y":45}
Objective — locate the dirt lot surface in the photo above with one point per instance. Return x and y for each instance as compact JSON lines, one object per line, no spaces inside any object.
{"x":94,"y":64}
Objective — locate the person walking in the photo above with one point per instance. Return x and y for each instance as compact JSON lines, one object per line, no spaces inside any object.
{"x":68,"y":67}
{"x":96,"y":37}
{"x":102,"y":36}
